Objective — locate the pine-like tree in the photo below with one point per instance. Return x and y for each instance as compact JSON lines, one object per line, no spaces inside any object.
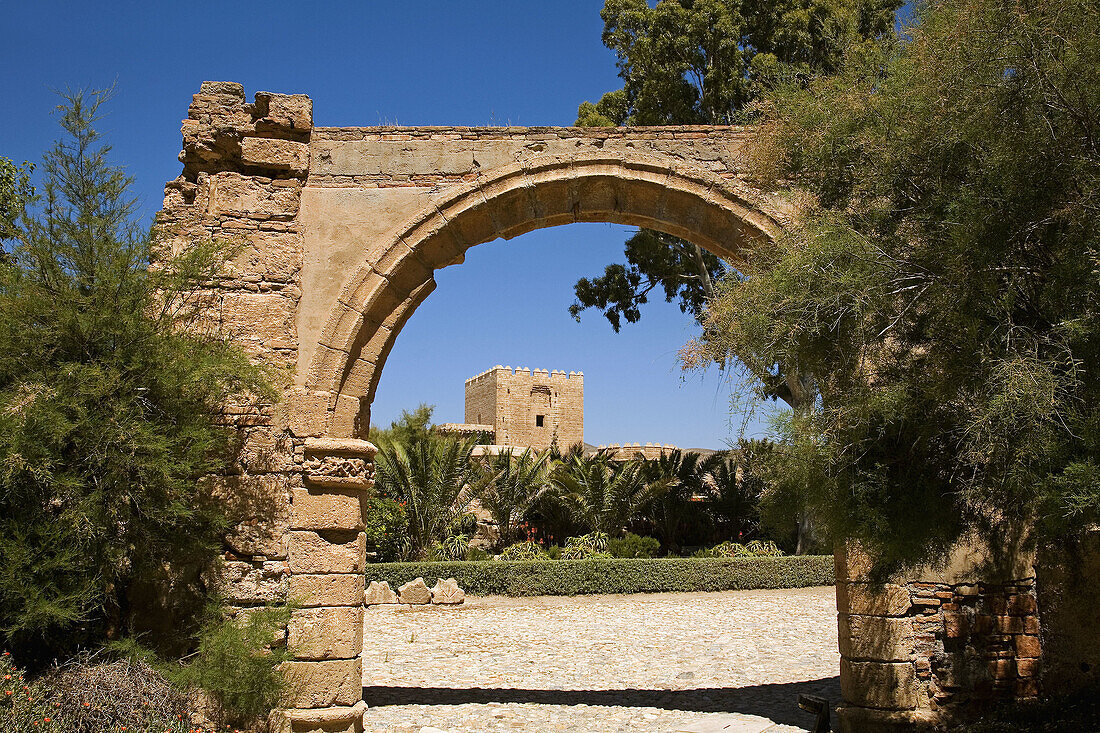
{"x":108,"y":402}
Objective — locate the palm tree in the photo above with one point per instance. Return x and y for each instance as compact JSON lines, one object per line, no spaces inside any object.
{"x":603,"y":495}
{"x":733,"y":501}
{"x":508,"y":486}
{"x":431,"y":475}
{"x":672,"y":509}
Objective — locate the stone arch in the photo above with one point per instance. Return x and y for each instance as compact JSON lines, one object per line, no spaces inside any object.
{"x":722,"y":215}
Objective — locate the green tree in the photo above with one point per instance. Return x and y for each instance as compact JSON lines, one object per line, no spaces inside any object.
{"x":677,"y":505}
{"x":108,"y":403}
{"x":604,"y":495}
{"x":409,"y":427}
{"x":732,"y":497}
{"x":15,"y":191}
{"x":430,"y":476}
{"x":509,"y":486}
{"x":686,"y":62}
{"x":944,"y":294}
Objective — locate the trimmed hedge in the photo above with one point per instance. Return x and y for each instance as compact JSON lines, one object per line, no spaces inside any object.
{"x":579,"y":577}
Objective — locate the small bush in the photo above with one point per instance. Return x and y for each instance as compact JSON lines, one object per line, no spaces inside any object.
{"x":633,"y":545}
{"x":756,"y":548}
{"x":89,"y":695}
{"x":455,"y":547}
{"x":523,"y":551}
{"x":596,"y":541}
{"x":237,"y":664}
{"x":386,"y":526}
{"x":582,"y":552}
{"x":554,"y":552}
{"x":475,"y":554}
{"x":578,"y":577}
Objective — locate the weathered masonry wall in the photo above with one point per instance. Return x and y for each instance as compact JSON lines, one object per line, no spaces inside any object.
{"x":924,"y":648}
{"x":512,"y":402}
{"x":340,"y":231}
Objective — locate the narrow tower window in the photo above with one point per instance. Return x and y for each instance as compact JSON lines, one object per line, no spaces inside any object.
{"x":539,"y":420}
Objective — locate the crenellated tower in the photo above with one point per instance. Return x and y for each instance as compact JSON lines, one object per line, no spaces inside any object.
{"x":531,"y":408}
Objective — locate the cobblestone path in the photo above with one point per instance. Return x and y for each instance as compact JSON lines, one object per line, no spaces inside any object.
{"x":668,"y":662}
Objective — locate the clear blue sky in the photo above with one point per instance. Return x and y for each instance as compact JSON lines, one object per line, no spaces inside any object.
{"x":438,"y":62}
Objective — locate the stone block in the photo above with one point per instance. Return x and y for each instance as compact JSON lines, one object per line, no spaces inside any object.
{"x":867,"y":720}
{"x":869,"y":599}
{"x":326,"y":509}
{"x":305,"y":413}
{"x":326,"y":633}
{"x":1028,"y":647}
{"x":259,"y":318}
{"x":886,"y":685}
{"x":280,"y":155}
{"x":1027,"y":667}
{"x":258,"y":508}
{"x":235,"y":194}
{"x":875,"y":637}
{"x":342,"y":719}
{"x":323,"y":684}
{"x":284,"y":112}
{"x":255,"y":582}
{"x":267,"y":257}
{"x":310,"y":552}
{"x":379,"y":593}
{"x":447,"y":593}
{"x":326,"y":590}
{"x":265,"y":450}
{"x":1022,"y":604}
{"x":230,"y":89}
{"x":415,"y":592}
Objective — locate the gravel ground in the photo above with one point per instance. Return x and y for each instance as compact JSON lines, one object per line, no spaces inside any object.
{"x":669,"y":662}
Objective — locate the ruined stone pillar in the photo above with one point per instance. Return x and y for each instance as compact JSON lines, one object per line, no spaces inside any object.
{"x":295,"y":495}
{"x":937,"y":645}
{"x":327,"y":553}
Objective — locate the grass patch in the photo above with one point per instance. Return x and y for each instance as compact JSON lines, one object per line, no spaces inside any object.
{"x":581,"y":577}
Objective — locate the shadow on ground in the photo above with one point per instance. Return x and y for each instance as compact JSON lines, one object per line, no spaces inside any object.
{"x":779,"y":702}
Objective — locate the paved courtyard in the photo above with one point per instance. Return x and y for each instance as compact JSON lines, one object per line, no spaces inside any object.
{"x":668,"y":662}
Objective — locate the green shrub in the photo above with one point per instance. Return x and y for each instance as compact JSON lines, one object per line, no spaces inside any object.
{"x":582,"y":552}
{"x":237,"y":663}
{"x":110,"y":407}
{"x":554,"y":552}
{"x":523,"y":551}
{"x":455,"y":547}
{"x":756,"y":548}
{"x":593,"y":540}
{"x":633,"y":545}
{"x":578,"y":577}
{"x":475,"y":554}
{"x":386,"y":528}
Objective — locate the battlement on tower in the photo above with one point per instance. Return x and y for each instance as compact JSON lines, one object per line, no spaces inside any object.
{"x":503,"y":372}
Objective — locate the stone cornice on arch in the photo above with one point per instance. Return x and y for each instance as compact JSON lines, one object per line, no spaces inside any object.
{"x":659,"y":192}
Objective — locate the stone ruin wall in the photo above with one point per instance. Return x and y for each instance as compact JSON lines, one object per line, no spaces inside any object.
{"x":295,"y":496}
{"x":922,"y":649}
{"x":510,"y":401}
{"x":304,"y":204}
